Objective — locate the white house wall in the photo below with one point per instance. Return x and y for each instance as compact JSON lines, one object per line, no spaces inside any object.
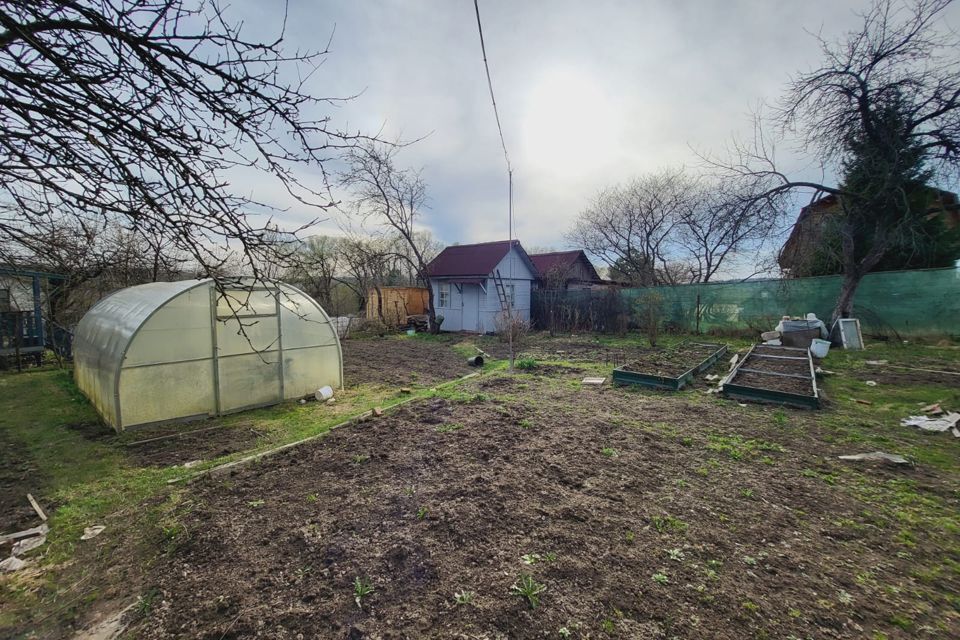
{"x":453,"y":316}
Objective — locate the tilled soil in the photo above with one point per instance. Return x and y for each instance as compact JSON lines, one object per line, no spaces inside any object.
{"x":189,"y":443}
{"x":670,"y":363}
{"x":798,"y":386}
{"x":635,"y":530}
{"x":400,"y":362}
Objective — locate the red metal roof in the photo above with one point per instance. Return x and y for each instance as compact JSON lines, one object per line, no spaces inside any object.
{"x":547,"y":262}
{"x":470,"y":259}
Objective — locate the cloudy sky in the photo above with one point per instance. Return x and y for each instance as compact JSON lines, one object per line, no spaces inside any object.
{"x":590,"y":92}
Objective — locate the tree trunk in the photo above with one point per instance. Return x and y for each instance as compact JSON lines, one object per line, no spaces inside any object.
{"x":848,"y":289}
{"x":431,"y":311}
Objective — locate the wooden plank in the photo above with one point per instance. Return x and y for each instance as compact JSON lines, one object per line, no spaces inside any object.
{"x":764,"y":355}
{"x":36,"y":507}
{"x":775,"y":373}
{"x":26,"y":533}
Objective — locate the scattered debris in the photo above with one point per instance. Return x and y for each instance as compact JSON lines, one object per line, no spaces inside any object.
{"x":593,"y":381}
{"x":303,"y":401}
{"x":42,"y":530}
{"x":191,"y":463}
{"x":734,"y":360}
{"x":870,"y":383}
{"x":324,"y":393}
{"x":858,"y":400}
{"x":948,"y":421}
{"x":28,"y":544}
{"x":824,"y":372}
{"x":769,"y":335}
{"x":90,"y":533}
{"x":877,"y":456}
{"x":36,"y":507}
{"x":933,"y":409}
{"x":877,"y":363}
{"x":13,"y":563}
{"x":742,"y":404}
{"x":331,"y":401}
{"x":712,"y":390}
{"x":711,"y":377}
{"x":377,"y":411}
{"x":475,"y":361}
{"x":406,"y":390}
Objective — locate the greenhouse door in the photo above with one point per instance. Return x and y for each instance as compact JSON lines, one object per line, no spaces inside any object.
{"x":248,"y":349}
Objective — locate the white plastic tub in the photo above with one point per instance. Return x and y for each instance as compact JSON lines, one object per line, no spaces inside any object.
{"x":819,"y":348}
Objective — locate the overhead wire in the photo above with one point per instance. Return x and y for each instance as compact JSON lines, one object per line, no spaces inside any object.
{"x":506,"y":157}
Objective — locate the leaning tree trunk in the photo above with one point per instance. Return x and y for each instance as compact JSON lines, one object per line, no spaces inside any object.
{"x":848,"y":289}
{"x":431,"y":311}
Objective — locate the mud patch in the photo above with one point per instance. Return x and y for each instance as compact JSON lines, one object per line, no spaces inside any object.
{"x":401,"y":362}
{"x":643,"y":515}
{"x":190,"y":442}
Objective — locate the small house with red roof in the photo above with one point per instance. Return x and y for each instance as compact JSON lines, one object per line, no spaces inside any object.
{"x":566,"y":270}
{"x":473,"y":283}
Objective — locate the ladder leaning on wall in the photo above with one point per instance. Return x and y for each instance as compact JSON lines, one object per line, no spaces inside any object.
{"x":501,"y":290}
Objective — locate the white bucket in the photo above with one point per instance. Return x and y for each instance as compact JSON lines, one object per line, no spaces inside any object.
{"x":819,"y":348}
{"x":324,"y":393}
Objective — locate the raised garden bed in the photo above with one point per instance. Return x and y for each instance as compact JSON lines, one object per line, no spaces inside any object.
{"x":670,"y":368}
{"x":781,"y":375}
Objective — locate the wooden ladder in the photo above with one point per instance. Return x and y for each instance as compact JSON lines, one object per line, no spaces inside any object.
{"x":501,"y":290}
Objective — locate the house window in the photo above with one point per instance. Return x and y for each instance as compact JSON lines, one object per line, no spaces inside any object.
{"x":444,"y":289}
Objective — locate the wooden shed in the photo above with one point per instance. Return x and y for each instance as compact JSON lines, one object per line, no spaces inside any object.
{"x":396,"y":303}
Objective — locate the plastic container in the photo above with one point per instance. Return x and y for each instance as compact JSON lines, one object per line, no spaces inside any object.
{"x":324,"y":393}
{"x":819,"y":348}
{"x":411,"y":332}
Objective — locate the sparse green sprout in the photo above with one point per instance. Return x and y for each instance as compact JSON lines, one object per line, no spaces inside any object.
{"x":608,"y":625}
{"x":564,"y":632}
{"x":549,"y":557}
{"x":312,"y":497}
{"x":360,"y":458}
{"x":750,"y":561}
{"x":666,"y":524}
{"x":525,"y":363}
{"x":746,"y":493}
{"x":531,"y":558}
{"x":447,"y":428}
{"x":408,"y":491}
{"x":527,"y":587}
{"x":361,"y":589}
{"x":687,"y":442}
{"x":779,"y":417}
{"x":752,"y":607}
{"x":661,"y":578}
{"x":422,"y":513}
{"x":525,"y":423}
{"x":630,"y":536}
{"x":675,"y":554}
{"x":255,"y":503}
{"x":610,"y":452}
{"x":463,"y":597}
{"x":844,"y":597}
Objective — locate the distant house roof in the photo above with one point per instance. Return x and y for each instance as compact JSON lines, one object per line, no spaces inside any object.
{"x":473,"y":260}
{"x":547,"y":262}
{"x":808,"y":229}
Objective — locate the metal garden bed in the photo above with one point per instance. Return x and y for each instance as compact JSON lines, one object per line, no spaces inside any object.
{"x":620,"y":376}
{"x":753,"y":393}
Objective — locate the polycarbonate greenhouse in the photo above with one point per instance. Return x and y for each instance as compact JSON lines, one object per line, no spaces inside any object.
{"x":168,"y":351}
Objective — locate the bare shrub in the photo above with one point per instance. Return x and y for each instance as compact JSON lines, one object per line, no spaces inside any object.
{"x":648,"y":311}
{"x":505,"y":326}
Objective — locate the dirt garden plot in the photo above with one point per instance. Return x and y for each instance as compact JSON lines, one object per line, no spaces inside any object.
{"x":625,"y":514}
{"x":671,"y":363}
{"x":401,"y":362}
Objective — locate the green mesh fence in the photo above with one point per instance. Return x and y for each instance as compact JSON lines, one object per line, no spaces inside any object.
{"x":905,"y":303}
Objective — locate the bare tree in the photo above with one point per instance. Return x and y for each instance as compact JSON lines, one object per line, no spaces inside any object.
{"x":630,"y":226}
{"x":394,"y":200}
{"x":132,"y":112}
{"x":673,"y":227}
{"x":882,"y":112}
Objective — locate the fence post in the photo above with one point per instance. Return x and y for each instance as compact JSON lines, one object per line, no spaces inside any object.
{"x":698,"y":313}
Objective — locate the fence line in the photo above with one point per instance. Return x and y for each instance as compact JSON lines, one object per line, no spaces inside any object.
{"x":923,"y":302}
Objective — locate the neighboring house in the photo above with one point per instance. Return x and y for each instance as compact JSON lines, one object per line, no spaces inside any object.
{"x":808,"y":232}
{"x":25,"y":299}
{"x":566,"y":270}
{"x":465,"y":284}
